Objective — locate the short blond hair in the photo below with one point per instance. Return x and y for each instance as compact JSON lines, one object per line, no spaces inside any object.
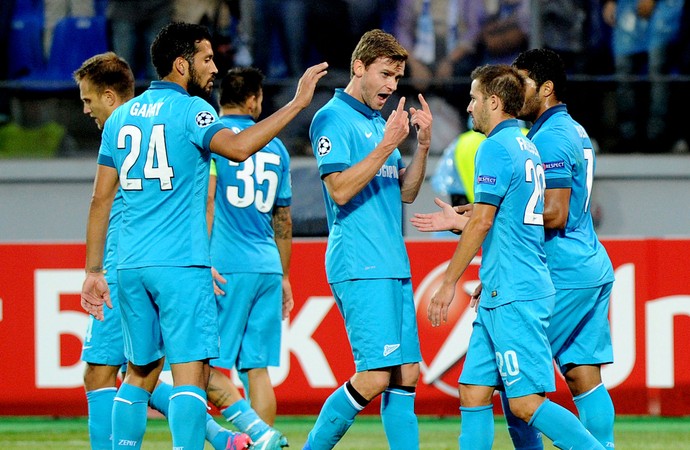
{"x":375,"y":44}
{"x":107,"y":71}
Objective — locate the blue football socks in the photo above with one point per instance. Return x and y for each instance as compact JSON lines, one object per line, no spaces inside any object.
{"x":398,"y":417}
{"x":160,"y":398}
{"x":336,"y":416}
{"x":476,"y":427}
{"x":524,"y":437}
{"x":597,"y":414}
{"x":100,"y":403}
{"x":563,"y":428}
{"x":129,"y":417}
{"x":245,"y":419}
{"x":187,"y":417}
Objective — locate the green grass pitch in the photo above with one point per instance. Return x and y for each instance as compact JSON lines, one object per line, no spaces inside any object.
{"x":438,"y":433}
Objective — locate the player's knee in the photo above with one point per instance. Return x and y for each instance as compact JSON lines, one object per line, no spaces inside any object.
{"x":472,"y":396}
{"x":405,"y":375}
{"x":525,"y":407}
{"x":371,"y":383}
{"x":581,"y":379}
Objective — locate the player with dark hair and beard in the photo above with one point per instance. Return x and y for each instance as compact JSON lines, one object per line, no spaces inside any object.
{"x":157,"y":148}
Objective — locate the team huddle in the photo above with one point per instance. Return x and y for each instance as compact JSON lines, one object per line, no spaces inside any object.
{"x":189,"y":235}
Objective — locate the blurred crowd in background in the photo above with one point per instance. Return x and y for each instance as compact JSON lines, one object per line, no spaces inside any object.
{"x":628,"y":60}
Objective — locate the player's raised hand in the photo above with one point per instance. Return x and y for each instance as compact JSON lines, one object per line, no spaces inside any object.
{"x":397,"y":125}
{"x":94,"y":294}
{"x":422,"y":119}
{"x":307,"y":84}
{"x":447,"y":219}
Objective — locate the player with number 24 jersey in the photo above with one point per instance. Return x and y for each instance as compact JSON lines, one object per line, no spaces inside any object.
{"x":160,"y":228}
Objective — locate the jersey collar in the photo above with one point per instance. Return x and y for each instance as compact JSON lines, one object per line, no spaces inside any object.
{"x":240,"y":116}
{"x":168,"y":85}
{"x":356,"y":104}
{"x":545,"y":116}
{"x":505,"y":124}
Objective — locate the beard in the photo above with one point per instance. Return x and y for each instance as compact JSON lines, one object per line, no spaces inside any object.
{"x":530,"y":109}
{"x":194,"y":86}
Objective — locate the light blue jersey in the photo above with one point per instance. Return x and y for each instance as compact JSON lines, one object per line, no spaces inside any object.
{"x":365,"y":236}
{"x":575,"y":257}
{"x":509,"y":175}
{"x":159,"y":144}
{"x":111,"y":239}
{"x":246,"y":193}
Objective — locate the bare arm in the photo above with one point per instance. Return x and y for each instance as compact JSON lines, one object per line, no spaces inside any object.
{"x":556,"y":207}
{"x":95,"y":289}
{"x":471,"y":241}
{"x":282,"y":227}
{"x":343,"y":186}
{"x":239,"y":147}
{"x":412,"y":177}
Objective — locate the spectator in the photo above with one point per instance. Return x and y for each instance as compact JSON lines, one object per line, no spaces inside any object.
{"x":134,"y":25}
{"x":280,"y":32}
{"x":466,"y":33}
{"x":224,"y":19}
{"x":54,"y":10}
{"x":643,"y":33}
{"x":563,"y":30}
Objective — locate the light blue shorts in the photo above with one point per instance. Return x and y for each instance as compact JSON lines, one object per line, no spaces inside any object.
{"x":380,"y":321}
{"x":250,"y":321}
{"x":171,"y":305}
{"x":103,"y":343}
{"x":580,"y":332}
{"x":509,"y":349}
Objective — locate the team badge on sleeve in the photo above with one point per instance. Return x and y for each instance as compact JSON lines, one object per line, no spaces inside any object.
{"x":204,"y":119}
{"x":323,"y":146}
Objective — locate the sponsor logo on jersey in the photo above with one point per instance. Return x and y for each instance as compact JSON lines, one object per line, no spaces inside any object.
{"x":204,"y":119}
{"x":388,"y":172}
{"x":323,"y":146}
{"x":486,"y":179}
{"x":554,"y":165}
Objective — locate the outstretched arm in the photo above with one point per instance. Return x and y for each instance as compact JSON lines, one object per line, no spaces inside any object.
{"x":448,"y":219}
{"x":239,"y":147}
{"x":472,"y":239}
